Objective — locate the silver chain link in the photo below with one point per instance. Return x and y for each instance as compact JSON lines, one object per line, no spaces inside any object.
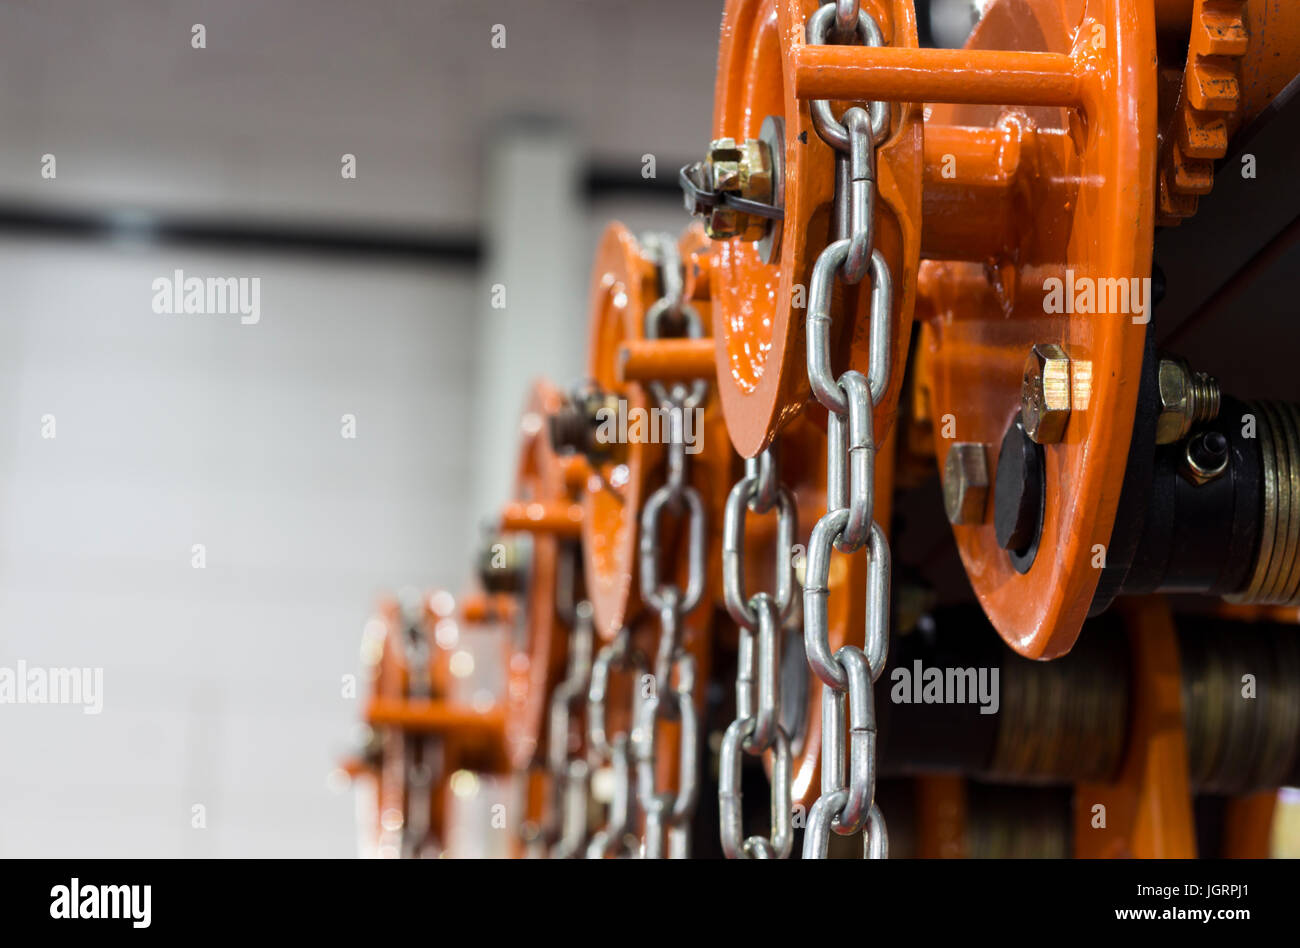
{"x":570,"y":772}
{"x":601,"y":748}
{"x":757,"y":728}
{"x":666,"y":699}
{"x":847,"y":801}
{"x":420,"y":753}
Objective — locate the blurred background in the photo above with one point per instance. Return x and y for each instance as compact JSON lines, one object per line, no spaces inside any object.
{"x":475,"y":167}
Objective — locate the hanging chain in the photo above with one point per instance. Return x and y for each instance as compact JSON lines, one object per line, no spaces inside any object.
{"x":570,"y":773}
{"x":419,"y":753}
{"x":617,"y":655}
{"x":671,"y":694}
{"x":847,"y":801}
{"x":760,"y":617}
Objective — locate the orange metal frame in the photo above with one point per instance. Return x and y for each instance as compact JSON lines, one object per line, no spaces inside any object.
{"x":1148,"y":809}
{"x":760,"y":340}
{"x":546,"y":507}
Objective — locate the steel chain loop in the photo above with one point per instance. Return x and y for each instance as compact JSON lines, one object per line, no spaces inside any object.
{"x":847,"y":801}
{"x":570,"y":772}
{"x":757,"y":729}
{"x":420,"y":753}
{"x":617,"y":655}
{"x":670,"y":813}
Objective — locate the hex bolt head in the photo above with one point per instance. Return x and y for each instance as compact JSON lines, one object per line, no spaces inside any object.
{"x":966,"y":483}
{"x":1045,"y":393}
{"x":745,"y":169}
{"x":1186,"y":398}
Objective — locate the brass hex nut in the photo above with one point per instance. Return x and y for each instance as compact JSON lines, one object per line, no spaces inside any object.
{"x":744,"y":169}
{"x":1186,"y":399}
{"x":1177,"y":395}
{"x":1045,"y":394}
{"x":966,"y":483}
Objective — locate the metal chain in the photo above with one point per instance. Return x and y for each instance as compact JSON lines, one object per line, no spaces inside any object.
{"x":668,"y":812}
{"x":666,"y":699}
{"x":847,"y":802}
{"x":569,"y":772}
{"x":617,"y":655}
{"x":419,"y":753}
{"x":757,"y":728}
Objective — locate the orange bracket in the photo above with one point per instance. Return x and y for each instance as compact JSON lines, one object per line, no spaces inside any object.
{"x":1148,"y":809}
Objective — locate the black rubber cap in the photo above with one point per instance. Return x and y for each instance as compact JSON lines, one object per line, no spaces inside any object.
{"x":1018,"y":494}
{"x":1209,"y":450}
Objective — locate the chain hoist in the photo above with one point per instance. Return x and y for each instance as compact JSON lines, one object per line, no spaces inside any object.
{"x":757,"y":728}
{"x":847,"y":801}
{"x":670,"y":696}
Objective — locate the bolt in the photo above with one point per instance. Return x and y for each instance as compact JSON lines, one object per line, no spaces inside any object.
{"x":1045,"y":393}
{"x":966,"y":483}
{"x":743,"y":169}
{"x":501,"y":564}
{"x":573,"y":426}
{"x":567,"y":428}
{"x":1186,"y":398}
{"x":1206,"y":457}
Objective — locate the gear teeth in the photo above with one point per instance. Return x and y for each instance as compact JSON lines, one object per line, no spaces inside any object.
{"x":1224,"y":29}
{"x":1212,"y":87}
{"x":1174,"y":205}
{"x":1192,"y":175}
{"x":1202,"y":135}
{"x":1204,"y":114}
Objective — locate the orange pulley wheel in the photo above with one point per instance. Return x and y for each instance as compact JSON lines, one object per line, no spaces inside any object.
{"x":760,"y":288}
{"x":545,"y":509}
{"x":422,"y":733}
{"x":621,"y":364}
{"x":1072,"y":185}
{"x":1035,"y":162}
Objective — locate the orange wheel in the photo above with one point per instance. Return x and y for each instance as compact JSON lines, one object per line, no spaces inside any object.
{"x":761,"y":358}
{"x":624,"y":285}
{"x":410,"y":813}
{"x":544,"y":481}
{"x":1086,"y":212}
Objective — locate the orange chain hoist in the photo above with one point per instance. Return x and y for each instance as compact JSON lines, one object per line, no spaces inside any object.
{"x":913,"y":259}
{"x":533,"y":558}
{"x":1043,"y":154}
{"x":423,"y":730}
{"x":1045,"y":151}
{"x":647,"y":423}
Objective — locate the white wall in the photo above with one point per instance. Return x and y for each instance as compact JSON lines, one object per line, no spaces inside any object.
{"x":222,"y":685}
